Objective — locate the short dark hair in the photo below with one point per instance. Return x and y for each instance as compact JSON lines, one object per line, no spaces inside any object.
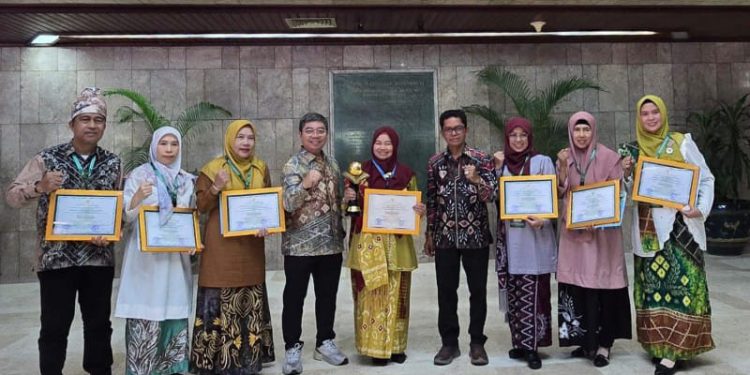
{"x":312,"y":117}
{"x":453,"y":113}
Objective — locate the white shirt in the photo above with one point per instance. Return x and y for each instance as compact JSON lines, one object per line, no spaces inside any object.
{"x":664,"y":217}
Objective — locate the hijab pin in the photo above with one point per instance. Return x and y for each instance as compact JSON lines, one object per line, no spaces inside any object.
{"x":670,"y":150}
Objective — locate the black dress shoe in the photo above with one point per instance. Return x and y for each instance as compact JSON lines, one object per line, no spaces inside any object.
{"x":581,"y":352}
{"x":379,"y":361}
{"x":517,"y":353}
{"x":601,"y":361}
{"x":655,"y":360}
{"x":398,"y":357}
{"x":446,"y":355}
{"x":664,"y":370}
{"x":533,"y":360}
{"x":478,"y":355}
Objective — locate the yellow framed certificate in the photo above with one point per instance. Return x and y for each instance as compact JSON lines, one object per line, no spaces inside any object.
{"x":180,"y":233}
{"x":391,"y":211}
{"x":246,"y":212}
{"x":594,"y":204}
{"x":665,"y":183}
{"x":80,"y":215}
{"x":524,"y":196}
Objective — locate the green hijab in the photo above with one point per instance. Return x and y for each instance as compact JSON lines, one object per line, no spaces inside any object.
{"x":649,"y":143}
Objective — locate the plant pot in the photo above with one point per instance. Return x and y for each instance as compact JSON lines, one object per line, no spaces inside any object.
{"x":728,"y":227}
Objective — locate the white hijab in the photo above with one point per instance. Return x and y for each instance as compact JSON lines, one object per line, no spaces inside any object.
{"x":170,"y":172}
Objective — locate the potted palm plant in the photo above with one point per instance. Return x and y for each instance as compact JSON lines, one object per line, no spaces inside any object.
{"x":188,"y":123}
{"x":550,"y":133}
{"x":723,"y":135}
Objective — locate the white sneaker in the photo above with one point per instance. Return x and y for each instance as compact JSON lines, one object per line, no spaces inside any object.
{"x":293,"y":360}
{"x":329,"y":352}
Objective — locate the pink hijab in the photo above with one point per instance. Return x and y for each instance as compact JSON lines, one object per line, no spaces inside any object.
{"x":604,"y":166}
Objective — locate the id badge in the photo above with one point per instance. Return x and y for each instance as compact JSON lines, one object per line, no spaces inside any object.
{"x":517,"y":223}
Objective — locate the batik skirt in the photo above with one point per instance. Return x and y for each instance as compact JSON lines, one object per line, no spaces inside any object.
{"x":232,"y":333}
{"x":381,"y":316}
{"x":529,"y":311}
{"x":156,"y":347}
{"x":592,"y":318}
{"x":673,"y":312}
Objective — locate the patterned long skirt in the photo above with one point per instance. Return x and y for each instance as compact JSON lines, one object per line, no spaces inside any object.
{"x":232,"y":333}
{"x":529,"y":311}
{"x":156,"y":347}
{"x":592,"y":317}
{"x":381,"y":316}
{"x":673,"y":313}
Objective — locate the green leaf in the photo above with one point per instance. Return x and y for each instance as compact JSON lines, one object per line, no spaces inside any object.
{"x":195,"y":119}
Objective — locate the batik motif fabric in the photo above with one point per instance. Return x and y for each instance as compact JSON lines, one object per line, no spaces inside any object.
{"x":381,"y":315}
{"x":529,"y":311}
{"x":232,"y":333}
{"x":673,"y":312}
{"x":592,"y":317}
{"x":156,"y":348}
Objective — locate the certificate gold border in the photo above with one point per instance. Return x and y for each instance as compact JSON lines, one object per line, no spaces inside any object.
{"x":160,"y":249}
{"x":50,"y":236}
{"x":547,"y":177}
{"x":223,"y":220}
{"x":663,"y":202}
{"x":368,"y":192}
{"x":590,"y":223}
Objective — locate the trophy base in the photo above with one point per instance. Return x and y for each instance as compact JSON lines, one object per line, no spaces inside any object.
{"x":353,"y":211}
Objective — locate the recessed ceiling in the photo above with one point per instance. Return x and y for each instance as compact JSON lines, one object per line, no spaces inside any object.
{"x":19,"y":23}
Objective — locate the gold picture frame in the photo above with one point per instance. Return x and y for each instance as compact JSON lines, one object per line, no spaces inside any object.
{"x":539,"y":179}
{"x":644,"y":197}
{"x":366,"y":228}
{"x":603,"y":221}
{"x":143,"y":230}
{"x":53,"y":234}
{"x":226,"y":196}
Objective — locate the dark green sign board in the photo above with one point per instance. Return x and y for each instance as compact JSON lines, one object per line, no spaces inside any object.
{"x":363,"y":101}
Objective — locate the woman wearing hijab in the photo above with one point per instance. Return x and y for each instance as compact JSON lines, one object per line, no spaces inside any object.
{"x":593,"y":302}
{"x":381,"y":264}
{"x":526,"y":252}
{"x":155,"y":291}
{"x":232,"y":331}
{"x":673,"y":313}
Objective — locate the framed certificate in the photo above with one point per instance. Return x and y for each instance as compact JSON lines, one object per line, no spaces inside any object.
{"x":665,"y":183}
{"x":179,"y":234}
{"x":246,"y":212}
{"x":524,"y":196}
{"x":391,"y":211}
{"x":79,"y":215}
{"x":594,"y":204}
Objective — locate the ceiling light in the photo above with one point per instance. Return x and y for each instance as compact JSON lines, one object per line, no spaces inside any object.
{"x":311,"y":23}
{"x":45,"y":40}
{"x":361,"y":36}
{"x":537,"y":25}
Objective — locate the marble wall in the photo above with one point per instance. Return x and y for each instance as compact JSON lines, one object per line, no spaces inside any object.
{"x":274,"y":85}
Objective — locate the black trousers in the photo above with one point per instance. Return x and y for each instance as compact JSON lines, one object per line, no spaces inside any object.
{"x":325,"y":271}
{"x":447,"y":270}
{"x":58,"y":288}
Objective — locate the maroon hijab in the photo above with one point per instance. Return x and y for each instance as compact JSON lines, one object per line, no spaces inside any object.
{"x":403,"y":174}
{"x":515,"y":160}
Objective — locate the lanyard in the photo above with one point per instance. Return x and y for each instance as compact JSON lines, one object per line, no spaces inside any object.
{"x":583,"y":174}
{"x":86,"y":174}
{"x":523,"y":167}
{"x":171,"y":189}
{"x":236,"y":171}
{"x":386,"y":176}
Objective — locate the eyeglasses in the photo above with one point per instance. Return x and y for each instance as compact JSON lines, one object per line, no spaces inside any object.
{"x":455,"y":130}
{"x":318,"y":131}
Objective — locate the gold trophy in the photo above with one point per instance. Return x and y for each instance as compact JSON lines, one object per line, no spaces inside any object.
{"x":354,"y":177}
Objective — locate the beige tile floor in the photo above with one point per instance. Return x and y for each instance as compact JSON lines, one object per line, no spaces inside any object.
{"x":729,"y":283}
